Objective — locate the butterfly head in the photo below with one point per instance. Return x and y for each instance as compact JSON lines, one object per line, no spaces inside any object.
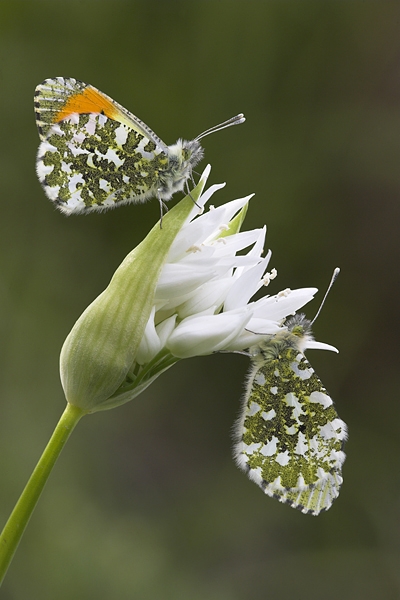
{"x":294,"y":335}
{"x":298,"y":330}
{"x":182,"y":158}
{"x":298,"y":325}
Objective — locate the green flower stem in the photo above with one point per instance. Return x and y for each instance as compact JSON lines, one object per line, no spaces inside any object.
{"x":15,"y":526}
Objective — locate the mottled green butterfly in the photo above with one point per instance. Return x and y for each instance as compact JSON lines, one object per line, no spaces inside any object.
{"x":289,"y":438}
{"x":95,"y":154}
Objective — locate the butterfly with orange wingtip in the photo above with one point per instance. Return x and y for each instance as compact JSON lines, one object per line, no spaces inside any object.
{"x":94,"y":154}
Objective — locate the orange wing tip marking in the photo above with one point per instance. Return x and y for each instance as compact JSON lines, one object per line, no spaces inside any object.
{"x":88,"y":101}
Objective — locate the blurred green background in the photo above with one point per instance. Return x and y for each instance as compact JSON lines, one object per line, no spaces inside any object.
{"x":145,"y":501}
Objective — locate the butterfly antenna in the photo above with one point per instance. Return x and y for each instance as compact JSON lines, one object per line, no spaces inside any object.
{"x":232,"y":121}
{"x":333,"y":279}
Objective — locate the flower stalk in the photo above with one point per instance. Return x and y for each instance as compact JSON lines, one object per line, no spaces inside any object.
{"x":19,"y":518}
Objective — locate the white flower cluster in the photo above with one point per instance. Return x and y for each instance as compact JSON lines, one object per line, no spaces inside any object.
{"x":203,"y":295}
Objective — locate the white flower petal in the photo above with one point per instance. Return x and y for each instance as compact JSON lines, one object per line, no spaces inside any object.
{"x":216,"y":218}
{"x":314,"y":345}
{"x":186,"y":238}
{"x":165,"y":329}
{"x":229,"y":245}
{"x":261,"y":327}
{"x":258,"y":247}
{"x":211,"y":293}
{"x":283,"y":304}
{"x":197,"y":336}
{"x":177,"y":279}
{"x":247,"y":338}
{"x":206,"y":227}
{"x":246,"y":285}
{"x":150,"y":344}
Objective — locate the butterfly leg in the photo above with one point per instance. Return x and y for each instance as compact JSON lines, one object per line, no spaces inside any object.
{"x":188,"y":191}
{"x":163,"y":208}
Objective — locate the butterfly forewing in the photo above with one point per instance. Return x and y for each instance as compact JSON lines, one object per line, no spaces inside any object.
{"x":58,"y":98}
{"x":313,"y":499}
{"x":289,"y":438}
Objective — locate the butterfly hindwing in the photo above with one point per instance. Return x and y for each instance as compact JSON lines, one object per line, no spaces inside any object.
{"x":89,"y":161}
{"x":289,"y":438}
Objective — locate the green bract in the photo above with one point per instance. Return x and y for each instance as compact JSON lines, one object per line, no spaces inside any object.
{"x":102,"y":346}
